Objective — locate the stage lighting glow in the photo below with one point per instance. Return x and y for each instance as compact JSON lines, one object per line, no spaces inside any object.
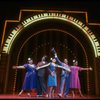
{"x":10,"y":39}
{"x":44,"y":16}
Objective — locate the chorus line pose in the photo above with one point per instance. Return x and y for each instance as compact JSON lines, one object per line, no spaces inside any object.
{"x":41,"y":84}
{"x":29,"y":83}
{"x":52,"y":78}
{"x":75,"y":81}
{"x":65,"y":75}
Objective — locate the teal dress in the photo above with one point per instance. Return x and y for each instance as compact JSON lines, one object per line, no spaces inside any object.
{"x":52,"y":80}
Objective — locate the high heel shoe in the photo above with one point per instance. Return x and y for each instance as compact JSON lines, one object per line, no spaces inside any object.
{"x":28,"y":94}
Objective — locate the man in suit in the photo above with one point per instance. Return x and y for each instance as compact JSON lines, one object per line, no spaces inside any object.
{"x":41,"y":84}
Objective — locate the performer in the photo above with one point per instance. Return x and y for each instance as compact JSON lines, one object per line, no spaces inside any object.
{"x":52,"y":80}
{"x":65,"y":75}
{"x":41,"y":84}
{"x":74,"y":81}
{"x":30,"y":77}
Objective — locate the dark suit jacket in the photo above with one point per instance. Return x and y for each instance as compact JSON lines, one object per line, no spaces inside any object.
{"x":41,"y":72}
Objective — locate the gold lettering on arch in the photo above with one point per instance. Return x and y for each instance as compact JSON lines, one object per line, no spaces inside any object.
{"x":42,"y":16}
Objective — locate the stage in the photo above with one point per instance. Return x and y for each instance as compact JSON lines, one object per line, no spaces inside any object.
{"x":15,"y":96}
{"x":31,"y":32}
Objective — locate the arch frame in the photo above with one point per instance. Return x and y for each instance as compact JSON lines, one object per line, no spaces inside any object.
{"x":51,"y":15}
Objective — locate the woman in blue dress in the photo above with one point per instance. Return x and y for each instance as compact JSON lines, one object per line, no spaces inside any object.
{"x":30,"y":77}
{"x":52,"y":79}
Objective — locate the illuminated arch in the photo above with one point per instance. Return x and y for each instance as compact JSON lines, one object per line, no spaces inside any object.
{"x":43,"y":16}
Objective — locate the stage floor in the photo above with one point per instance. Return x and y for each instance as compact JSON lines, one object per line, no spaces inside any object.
{"x":15,"y":96}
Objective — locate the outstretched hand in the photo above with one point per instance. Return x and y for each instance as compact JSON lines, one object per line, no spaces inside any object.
{"x":52,"y":73}
{"x":14,"y":67}
{"x":90,"y":68}
{"x":54,"y":52}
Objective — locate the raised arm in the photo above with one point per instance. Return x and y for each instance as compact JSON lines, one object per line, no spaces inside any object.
{"x":18,"y":67}
{"x":39,"y":67}
{"x":57,"y":59}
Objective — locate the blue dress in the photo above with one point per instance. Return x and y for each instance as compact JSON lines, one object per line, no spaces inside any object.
{"x":52,"y":80}
{"x":30,"y":77}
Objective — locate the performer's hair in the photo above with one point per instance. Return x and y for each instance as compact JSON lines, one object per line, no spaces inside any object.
{"x":29,"y":59}
{"x":45,"y":58}
{"x":52,"y":59}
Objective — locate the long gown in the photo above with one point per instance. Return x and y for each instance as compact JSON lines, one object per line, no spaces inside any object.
{"x":74,"y":78}
{"x":30,"y":77}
